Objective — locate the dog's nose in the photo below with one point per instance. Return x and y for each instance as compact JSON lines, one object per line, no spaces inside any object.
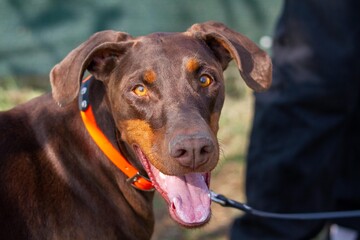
{"x":191,"y":150}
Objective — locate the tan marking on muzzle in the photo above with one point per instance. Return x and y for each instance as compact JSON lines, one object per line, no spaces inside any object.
{"x":137,"y":132}
{"x":214,"y":122}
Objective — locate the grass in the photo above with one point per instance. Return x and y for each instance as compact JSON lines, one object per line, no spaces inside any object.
{"x":15,"y":91}
{"x":227,"y":178}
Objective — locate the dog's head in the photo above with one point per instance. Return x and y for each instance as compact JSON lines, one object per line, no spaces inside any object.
{"x":166,"y":91}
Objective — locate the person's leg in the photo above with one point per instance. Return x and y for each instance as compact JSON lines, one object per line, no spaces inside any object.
{"x":299,"y":129}
{"x":346,"y":189}
{"x":292,"y":160}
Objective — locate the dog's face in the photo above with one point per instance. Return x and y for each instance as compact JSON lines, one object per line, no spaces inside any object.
{"x":167,"y":107}
{"x":166,"y":91}
{"x":166,"y":100}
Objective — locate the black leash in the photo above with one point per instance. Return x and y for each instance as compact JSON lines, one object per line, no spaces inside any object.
{"x":226,"y":202}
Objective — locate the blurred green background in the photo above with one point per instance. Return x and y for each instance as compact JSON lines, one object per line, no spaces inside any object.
{"x":37,"y":34}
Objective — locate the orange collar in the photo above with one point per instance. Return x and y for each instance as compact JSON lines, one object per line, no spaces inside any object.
{"x":135,"y":178}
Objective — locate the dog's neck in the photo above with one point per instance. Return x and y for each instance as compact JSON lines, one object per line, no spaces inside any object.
{"x":102,"y":111}
{"x":138,"y":200}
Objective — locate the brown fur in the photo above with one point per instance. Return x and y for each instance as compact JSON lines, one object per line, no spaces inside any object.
{"x":55,"y":183}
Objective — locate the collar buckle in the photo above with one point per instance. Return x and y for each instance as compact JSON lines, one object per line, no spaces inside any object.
{"x":135,"y":182}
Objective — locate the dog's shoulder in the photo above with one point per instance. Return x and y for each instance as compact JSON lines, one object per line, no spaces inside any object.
{"x":19,"y":128}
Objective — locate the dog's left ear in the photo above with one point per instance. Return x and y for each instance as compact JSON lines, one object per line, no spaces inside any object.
{"x":99,"y":55}
{"x":253,"y":63}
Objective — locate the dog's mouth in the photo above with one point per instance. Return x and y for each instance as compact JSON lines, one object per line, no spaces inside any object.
{"x":188,"y":196}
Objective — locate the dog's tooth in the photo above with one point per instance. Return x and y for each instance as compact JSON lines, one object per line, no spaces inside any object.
{"x":162,"y":176}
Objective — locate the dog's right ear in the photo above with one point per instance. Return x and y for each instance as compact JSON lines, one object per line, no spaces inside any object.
{"x":98,"y":54}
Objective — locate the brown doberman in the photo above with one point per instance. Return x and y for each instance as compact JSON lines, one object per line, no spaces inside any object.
{"x":156,"y":100}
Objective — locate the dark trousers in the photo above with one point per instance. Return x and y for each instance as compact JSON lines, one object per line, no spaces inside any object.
{"x":304,"y":153}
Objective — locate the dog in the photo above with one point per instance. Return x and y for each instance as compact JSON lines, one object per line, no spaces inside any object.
{"x":82,"y":161}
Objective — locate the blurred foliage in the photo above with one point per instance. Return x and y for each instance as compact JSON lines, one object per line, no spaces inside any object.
{"x":234,"y":85}
{"x":36,"y":34}
{"x":13,"y":92}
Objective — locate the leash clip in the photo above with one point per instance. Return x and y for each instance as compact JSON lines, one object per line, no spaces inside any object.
{"x":135,"y":179}
{"x":217,"y":198}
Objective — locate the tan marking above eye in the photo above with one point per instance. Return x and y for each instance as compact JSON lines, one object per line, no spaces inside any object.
{"x":150,"y":76}
{"x":192,"y":65}
{"x":205,"y":80}
{"x":140,"y":90}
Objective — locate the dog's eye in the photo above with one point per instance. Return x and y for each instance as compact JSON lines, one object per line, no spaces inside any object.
{"x":140,"y":90}
{"x":205,"y":80}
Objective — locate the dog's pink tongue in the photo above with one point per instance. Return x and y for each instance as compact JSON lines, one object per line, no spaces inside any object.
{"x":189,"y":196}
